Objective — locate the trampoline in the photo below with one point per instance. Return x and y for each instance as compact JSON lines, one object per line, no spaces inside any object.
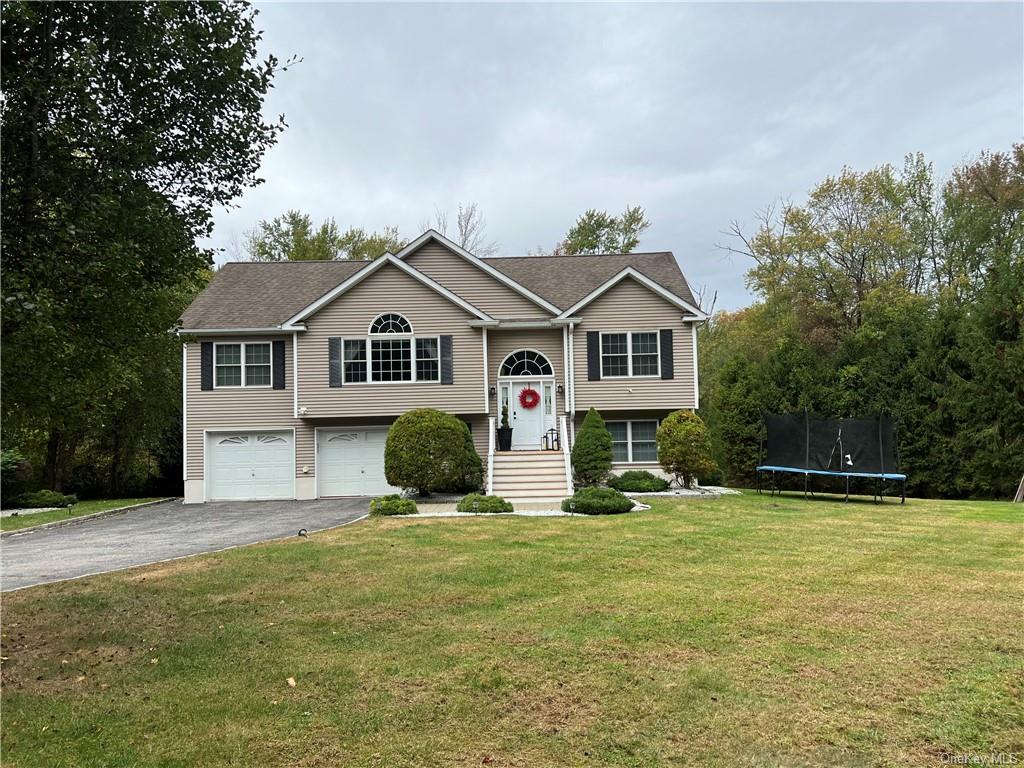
{"x":844,"y":448}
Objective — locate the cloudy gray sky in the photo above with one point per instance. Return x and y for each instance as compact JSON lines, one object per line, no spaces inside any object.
{"x":701,"y":113}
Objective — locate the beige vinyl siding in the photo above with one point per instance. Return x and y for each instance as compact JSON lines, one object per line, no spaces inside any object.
{"x":478,"y":428}
{"x":629,"y":306}
{"x":238,"y":408}
{"x":349,"y":316}
{"x":547,"y":341}
{"x":472,"y":283}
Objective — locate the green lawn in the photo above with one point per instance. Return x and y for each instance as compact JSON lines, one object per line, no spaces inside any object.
{"x":741,"y":631}
{"x":28,"y":518}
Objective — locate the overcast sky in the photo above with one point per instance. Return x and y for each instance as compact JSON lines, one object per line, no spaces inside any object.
{"x":700,"y":113}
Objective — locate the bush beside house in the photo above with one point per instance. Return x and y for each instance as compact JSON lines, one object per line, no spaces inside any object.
{"x":592,"y":452}
{"x":638,"y":481}
{"x":597,"y":501}
{"x":684,"y":447}
{"x":392,"y":504}
{"x":428,"y":450}
{"x":477,"y":503}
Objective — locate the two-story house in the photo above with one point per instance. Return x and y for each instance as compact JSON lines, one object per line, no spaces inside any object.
{"x":293,"y":371}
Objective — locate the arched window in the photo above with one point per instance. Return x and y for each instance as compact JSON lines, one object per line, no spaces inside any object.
{"x":390,"y":323}
{"x":525,"y":362}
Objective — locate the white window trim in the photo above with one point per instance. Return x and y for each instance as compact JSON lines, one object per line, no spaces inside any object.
{"x":244,"y":345}
{"x":629,"y":439}
{"x":369,"y":328}
{"x":629,"y":354}
{"x":369,"y":358}
{"x":526,"y":375}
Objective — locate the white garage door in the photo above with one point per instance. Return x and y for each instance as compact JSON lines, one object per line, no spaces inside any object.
{"x":250,"y":465}
{"x":350,"y":462}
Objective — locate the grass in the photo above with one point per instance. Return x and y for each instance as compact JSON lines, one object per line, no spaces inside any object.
{"x":27,"y":518}
{"x":744,"y":630}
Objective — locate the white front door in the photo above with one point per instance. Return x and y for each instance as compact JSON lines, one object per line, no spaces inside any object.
{"x":350,"y":462}
{"x":242,"y":466}
{"x":527,"y":423}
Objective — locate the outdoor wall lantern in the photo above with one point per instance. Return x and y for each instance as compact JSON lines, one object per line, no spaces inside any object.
{"x":560,"y":389}
{"x":492,"y":390}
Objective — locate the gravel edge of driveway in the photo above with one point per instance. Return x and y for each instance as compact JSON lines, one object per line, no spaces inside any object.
{"x":84,"y":518}
{"x":180,"y":557}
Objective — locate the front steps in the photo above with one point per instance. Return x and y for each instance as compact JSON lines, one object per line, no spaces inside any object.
{"x":530,"y":477}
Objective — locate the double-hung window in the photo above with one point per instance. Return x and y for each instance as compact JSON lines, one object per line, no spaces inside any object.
{"x":630,"y":353}
{"x":633,"y":441}
{"x":391,"y":353}
{"x":242,"y":365}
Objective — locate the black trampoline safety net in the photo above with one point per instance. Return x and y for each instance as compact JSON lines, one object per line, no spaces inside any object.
{"x":831,"y":445}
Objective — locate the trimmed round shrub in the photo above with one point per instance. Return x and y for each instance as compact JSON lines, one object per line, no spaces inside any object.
{"x":428,"y":450}
{"x":392,"y":504}
{"x":592,"y":451}
{"x":38,"y":499}
{"x":684,"y":447}
{"x":597,"y":501}
{"x":478,"y":503}
{"x":638,"y":481}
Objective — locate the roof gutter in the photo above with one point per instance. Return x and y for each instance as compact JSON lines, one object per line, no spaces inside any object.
{"x":276,"y":330}
{"x":525,"y":324}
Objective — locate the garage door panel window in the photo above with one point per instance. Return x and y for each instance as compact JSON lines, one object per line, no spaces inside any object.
{"x":633,"y":441}
{"x":242,"y":365}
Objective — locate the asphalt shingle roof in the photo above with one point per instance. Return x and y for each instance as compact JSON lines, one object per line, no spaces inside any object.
{"x":564,"y":280}
{"x":266,"y":294}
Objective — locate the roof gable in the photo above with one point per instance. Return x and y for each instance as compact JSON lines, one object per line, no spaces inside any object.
{"x":565,"y":280}
{"x":371,"y":268}
{"x":651,"y":285}
{"x":434,"y":236}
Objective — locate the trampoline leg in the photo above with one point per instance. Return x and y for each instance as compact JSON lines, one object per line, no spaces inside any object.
{"x":847,"y":490}
{"x":805,"y":485}
{"x":903,"y":492}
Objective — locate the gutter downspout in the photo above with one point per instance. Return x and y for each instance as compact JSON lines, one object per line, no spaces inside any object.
{"x":571,"y":369}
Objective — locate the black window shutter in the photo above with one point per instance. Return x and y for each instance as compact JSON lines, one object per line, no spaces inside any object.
{"x":593,"y":355}
{"x":278,"y":364}
{"x":446,"y":360}
{"x":334,"y":361}
{"x":206,"y":364}
{"x":668,"y":368}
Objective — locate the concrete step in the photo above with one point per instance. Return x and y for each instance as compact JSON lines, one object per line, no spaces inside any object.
{"x":521,"y":481}
{"x":519,"y":469}
{"x":522,"y":491}
{"x":527,"y":457}
{"x":554,"y":501}
{"x":531,"y":493}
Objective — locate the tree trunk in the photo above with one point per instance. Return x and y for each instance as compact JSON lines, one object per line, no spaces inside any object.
{"x":52,"y":473}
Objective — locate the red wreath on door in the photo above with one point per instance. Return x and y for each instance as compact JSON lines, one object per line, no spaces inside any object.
{"x":528,"y":398}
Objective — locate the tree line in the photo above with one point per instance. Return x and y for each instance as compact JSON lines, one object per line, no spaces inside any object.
{"x":884,"y":292}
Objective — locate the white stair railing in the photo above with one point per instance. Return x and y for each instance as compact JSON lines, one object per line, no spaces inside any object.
{"x":565,"y":454}
{"x":490,"y":455}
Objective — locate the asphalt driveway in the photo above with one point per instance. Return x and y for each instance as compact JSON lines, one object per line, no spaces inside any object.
{"x":160,"y":532}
